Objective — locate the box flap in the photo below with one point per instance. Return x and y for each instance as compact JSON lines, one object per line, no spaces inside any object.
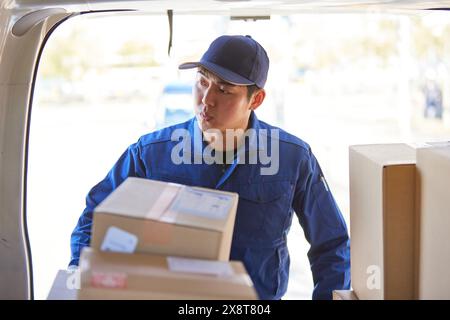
{"x":383,"y":154}
{"x":442,"y":151}
{"x":171,"y":203}
{"x":139,"y":198}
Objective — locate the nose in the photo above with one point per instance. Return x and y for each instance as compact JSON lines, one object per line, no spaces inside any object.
{"x":208,"y":97}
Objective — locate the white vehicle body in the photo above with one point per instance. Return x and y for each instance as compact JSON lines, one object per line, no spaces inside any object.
{"x":25,"y":26}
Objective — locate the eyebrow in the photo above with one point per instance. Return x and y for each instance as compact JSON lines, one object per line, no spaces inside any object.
{"x":219,"y":81}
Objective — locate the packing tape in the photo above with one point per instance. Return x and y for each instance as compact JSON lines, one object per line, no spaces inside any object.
{"x":168,"y":194}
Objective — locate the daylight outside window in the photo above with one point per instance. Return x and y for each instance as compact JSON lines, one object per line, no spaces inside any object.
{"x":335,"y":80}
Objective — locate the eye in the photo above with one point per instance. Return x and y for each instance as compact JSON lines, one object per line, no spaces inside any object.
{"x":223,"y":90}
{"x":203,"y":82}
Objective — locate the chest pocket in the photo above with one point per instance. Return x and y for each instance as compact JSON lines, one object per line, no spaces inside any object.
{"x":263,"y":210}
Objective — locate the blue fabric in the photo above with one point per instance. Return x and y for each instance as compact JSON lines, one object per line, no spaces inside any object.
{"x":265,"y":209}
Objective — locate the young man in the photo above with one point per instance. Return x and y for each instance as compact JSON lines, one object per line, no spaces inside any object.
{"x":229,"y":87}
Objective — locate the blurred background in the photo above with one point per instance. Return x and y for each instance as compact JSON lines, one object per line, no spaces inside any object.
{"x":335,"y":80}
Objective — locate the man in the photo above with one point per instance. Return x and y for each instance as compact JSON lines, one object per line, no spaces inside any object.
{"x":229,"y":87}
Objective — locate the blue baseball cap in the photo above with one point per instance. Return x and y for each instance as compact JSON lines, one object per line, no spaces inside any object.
{"x":240,"y":60}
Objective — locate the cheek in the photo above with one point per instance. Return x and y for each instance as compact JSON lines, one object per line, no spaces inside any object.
{"x":230,"y":113}
{"x":197,"y":98}
{"x":233,"y":108}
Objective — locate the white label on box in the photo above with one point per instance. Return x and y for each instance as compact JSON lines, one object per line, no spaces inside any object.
{"x":118,"y":240}
{"x":210,"y":267}
{"x":201,"y":203}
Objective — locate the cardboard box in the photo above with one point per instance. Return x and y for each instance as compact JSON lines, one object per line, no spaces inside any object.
{"x":344,"y":295}
{"x":110,"y":275}
{"x":433,"y":165}
{"x":65,"y":286}
{"x":166,"y":218}
{"x":382,"y":221}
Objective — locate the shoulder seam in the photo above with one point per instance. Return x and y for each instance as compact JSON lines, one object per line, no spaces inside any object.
{"x":153,"y":141}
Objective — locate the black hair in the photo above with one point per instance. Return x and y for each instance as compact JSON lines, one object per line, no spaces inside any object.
{"x":251,"y":90}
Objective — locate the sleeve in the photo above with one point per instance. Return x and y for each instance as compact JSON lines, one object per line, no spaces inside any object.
{"x":128,"y":165}
{"x":324,"y":229}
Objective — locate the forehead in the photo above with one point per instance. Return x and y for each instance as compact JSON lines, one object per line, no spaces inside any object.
{"x":211,"y":76}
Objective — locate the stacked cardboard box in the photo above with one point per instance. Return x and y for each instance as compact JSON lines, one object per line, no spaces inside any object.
{"x":108,"y":275}
{"x":156,"y":217}
{"x":382,"y":221}
{"x":399,"y":221}
{"x":433,"y":165}
{"x":157,"y":240}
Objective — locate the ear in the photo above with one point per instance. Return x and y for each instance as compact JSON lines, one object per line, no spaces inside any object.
{"x":257,"y":99}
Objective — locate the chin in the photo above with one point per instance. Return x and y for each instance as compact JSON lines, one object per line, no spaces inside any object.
{"x":204,"y":125}
{"x":207,"y":125}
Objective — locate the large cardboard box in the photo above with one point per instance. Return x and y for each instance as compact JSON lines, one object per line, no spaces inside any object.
{"x":149,"y":216}
{"x":382,"y":221}
{"x":433,"y":165}
{"x":110,"y":275}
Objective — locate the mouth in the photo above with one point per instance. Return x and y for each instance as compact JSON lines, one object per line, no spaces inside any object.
{"x":205,"y":117}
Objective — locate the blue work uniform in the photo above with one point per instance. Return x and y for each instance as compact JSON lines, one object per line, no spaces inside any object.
{"x":265,"y":208}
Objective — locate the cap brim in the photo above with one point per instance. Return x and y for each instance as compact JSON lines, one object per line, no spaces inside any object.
{"x":219,"y":71}
{"x":188,"y":65}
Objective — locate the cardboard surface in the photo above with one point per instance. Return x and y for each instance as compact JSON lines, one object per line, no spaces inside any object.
{"x":63,"y":288}
{"x":344,"y":295}
{"x":169,"y":219}
{"x":107,"y":275}
{"x":382,"y":221}
{"x":433,"y":166}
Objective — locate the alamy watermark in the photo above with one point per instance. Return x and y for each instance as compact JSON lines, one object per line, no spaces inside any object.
{"x":374,"y":277}
{"x":259,"y":144}
{"x":73,"y":280}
